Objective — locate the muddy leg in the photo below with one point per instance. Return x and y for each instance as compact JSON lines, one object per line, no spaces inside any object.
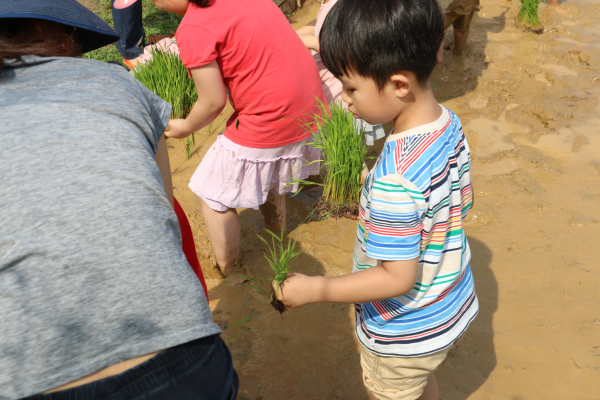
{"x":462,"y":26}
{"x":224,"y":233}
{"x":431,"y":390}
{"x":448,"y":20}
{"x":273,"y":212}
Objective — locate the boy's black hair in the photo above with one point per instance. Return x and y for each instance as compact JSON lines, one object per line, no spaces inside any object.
{"x":378,"y":38}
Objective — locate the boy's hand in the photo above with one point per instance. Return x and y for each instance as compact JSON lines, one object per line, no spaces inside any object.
{"x":178,"y":129}
{"x":295,"y":291}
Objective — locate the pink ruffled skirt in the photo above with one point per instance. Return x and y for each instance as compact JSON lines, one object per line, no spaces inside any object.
{"x":234,"y":176}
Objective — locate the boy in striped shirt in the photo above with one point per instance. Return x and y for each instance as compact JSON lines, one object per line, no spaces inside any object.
{"x":411,"y":283}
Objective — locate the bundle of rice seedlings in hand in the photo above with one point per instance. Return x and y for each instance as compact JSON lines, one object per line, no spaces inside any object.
{"x":167,"y":77}
{"x":528,"y":17}
{"x":280,"y":264}
{"x":343,"y":155}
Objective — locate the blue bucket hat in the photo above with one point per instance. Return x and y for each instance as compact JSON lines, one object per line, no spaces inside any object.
{"x":91,"y":33}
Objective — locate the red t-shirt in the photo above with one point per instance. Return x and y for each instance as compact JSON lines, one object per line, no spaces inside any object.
{"x":272,"y":78}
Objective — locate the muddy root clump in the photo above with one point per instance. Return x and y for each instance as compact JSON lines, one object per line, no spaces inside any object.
{"x":279,"y":306}
{"x":538,"y":30}
{"x":334,"y":210}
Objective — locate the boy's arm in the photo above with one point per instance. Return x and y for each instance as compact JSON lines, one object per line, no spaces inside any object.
{"x":212,"y":98}
{"x":392,"y":279}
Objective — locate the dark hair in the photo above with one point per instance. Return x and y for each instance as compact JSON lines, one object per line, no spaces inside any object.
{"x":27,"y":36}
{"x":378,"y":38}
{"x":200,"y":3}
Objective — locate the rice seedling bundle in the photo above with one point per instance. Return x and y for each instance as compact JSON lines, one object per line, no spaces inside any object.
{"x":167,"y":77}
{"x":343,"y":155}
{"x":280,"y":258}
{"x":528,"y":16}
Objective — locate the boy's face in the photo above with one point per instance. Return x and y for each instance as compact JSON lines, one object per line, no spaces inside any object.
{"x":178,"y":7}
{"x":367,"y":102}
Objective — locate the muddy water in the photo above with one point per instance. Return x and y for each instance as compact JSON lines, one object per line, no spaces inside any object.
{"x":529,"y":106}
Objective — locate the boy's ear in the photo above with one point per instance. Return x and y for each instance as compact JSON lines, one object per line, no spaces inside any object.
{"x":402,"y":84}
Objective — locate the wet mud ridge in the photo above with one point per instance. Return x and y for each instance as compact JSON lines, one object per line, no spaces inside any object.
{"x":529,"y":108}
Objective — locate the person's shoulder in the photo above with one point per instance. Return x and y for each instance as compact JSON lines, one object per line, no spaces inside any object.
{"x":90,"y":68}
{"x":74,"y":69}
{"x":101,"y":78}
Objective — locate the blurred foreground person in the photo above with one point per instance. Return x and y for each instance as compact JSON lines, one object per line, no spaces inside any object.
{"x":97,"y":299}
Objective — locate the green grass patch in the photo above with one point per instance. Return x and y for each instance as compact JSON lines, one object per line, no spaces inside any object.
{"x":343,"y":153}
{"x":167,"y":77}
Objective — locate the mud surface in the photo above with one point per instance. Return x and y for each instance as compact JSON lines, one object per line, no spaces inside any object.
{"x":529,"y":106}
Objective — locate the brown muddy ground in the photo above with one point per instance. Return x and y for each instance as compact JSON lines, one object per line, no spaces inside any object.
{"x":529,"y":106}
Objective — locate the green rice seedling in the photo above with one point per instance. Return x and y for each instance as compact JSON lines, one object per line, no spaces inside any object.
{"x":279,"y":261}
{"x":528,"y":16}
{"x":188,"y":144}
{"x":343,"y":155}
{"x":167,"y":77}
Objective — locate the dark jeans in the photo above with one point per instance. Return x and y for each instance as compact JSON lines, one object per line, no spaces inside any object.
{"x":198,"y":370}
{"x":128,"y":25}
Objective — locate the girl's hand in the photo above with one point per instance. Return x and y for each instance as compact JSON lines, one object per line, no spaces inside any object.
{"x":295,"y":291}
{"x":177,"y":129}
{"x":311,"y":42}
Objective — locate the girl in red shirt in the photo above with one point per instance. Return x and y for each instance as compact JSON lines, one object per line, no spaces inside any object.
{"x":250,"y":49}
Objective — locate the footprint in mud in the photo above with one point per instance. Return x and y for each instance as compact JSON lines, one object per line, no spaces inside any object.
{"x":579,"y":142}
{"x":579,"y":220}
{"x":518,"y":181}
{"x":479,"y":218}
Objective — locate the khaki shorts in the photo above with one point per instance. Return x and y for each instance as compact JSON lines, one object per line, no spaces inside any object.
{"x":395,"y":378}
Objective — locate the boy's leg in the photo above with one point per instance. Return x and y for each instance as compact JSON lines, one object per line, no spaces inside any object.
{"x":224,"y":231}
{"x":406,"y":378}
{"x":431,"y":391}
{"x":273,"y":212}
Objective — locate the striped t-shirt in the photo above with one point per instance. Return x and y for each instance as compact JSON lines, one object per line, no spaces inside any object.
{"x":412,"y":205}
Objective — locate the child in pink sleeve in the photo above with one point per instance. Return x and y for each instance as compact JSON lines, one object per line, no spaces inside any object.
{"x":332,"y":87}
{"x":246,"y":48}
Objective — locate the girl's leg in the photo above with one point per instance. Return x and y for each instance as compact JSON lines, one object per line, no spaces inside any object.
{"x":224,"y":231}
{"x":273,"y":212}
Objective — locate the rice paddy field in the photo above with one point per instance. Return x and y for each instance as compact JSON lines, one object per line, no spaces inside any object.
{"x":529,"y":107}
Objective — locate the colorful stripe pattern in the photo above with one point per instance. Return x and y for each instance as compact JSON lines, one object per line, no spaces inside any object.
{"x":412,"y":205}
